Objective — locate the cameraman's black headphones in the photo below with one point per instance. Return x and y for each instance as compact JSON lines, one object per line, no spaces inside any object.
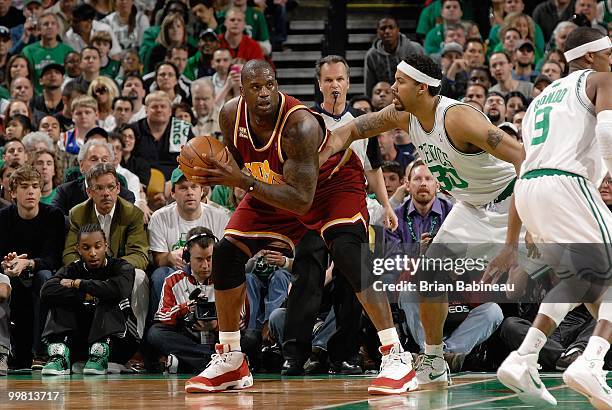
{"x":208,"y":234}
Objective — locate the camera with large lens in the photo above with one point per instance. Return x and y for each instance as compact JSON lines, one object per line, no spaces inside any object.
{"x":204,"y":309}
{"x":262,"y":268}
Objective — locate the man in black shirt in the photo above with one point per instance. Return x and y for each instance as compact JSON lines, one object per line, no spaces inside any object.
{"x":159,"y":136}
{"x":89,"y":302}
{"x":50,"y":101}
{"x":9,"y":15}
{"x":31,"y":245}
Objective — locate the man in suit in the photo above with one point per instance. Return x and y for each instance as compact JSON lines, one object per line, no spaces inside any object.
{"x":74,"y":192}
{"x":123,"y":227}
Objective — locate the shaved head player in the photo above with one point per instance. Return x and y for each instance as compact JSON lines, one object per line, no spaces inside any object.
{"x":277,"y":139}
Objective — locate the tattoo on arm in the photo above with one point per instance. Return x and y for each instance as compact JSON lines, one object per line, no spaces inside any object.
{"x":300,"y":143}
{"x":494,"y":138}
{"x":366,"y":123}
{"x":374,"y":123}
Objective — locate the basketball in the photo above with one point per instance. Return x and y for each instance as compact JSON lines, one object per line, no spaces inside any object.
{"x":192,"y":154}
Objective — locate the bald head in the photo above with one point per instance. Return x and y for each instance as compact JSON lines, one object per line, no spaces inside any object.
{"x":259,"y":88}
{"x":255,"y":68}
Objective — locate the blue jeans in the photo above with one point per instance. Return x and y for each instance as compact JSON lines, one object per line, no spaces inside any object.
{"x":158,"y":277}
{"x":320,"y":337}
{"x":264,"y":297}
{"x":477,"y":327}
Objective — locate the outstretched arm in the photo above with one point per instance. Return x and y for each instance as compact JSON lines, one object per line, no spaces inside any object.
{"x":364,"y":126}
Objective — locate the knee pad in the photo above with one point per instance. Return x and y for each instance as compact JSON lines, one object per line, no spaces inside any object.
{"x":228,"y":265}
{"x":349,"y":249}
{"x":557,"y":311}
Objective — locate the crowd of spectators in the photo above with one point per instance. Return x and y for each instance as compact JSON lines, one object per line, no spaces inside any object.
{"x":107,"y":248}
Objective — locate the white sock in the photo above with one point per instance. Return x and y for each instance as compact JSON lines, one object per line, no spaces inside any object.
{"x":232,"y":339}
{"x":389,"y":337}
{"x":434,"y":350}
{"x":596,"y":349}
{"x":533,"y":342}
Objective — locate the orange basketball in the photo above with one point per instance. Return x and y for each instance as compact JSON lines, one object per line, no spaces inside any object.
{"x":193,"y":152}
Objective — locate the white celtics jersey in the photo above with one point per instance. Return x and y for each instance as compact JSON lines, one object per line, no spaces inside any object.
{"x":559,"y":130}
{"x":476,"y":179}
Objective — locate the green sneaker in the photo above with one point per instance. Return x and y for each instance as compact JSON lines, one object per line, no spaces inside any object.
{"x":98,"y":359}
{"x":59,"y":360}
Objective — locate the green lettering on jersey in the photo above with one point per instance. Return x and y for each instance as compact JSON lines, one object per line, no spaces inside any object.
{"x":552,"y":97}
{"x":431,"y":153}
{"x":542,"y":125}
{"x":448,"y":178}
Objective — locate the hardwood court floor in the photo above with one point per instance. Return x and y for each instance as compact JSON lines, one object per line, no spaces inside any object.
{"x":147,"y":392}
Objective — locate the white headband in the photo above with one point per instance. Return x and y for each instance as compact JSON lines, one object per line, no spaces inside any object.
{"x":415,"y":74}
{"x":592,"y":47}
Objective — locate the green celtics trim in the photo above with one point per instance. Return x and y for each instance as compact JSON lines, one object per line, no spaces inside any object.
{"x":535,"y":173}
{"x":506,"y":192}
{"x":605,"y":233}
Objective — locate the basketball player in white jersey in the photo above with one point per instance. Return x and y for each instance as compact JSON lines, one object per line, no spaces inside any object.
{"x":567,"y":130}
{"x":471,"y":158}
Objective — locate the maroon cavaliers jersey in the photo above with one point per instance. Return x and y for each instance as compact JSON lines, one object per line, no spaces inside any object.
{"x":266,"y":163}
{"x":339,"y":197}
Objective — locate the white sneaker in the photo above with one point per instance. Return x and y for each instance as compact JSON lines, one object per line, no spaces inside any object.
{"x":520,"y":374}
{"x":396,"y":372}
{"x":226,"y":371}
{"x":171,"y":364}
{"x":432,"y":371}
{"x":587,"y":378}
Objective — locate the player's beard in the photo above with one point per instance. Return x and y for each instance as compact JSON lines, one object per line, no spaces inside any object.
{"x":398,"y":104}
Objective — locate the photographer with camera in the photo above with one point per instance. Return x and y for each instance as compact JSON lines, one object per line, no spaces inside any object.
{"x":268,"y":275}
{"x":185,"y":327}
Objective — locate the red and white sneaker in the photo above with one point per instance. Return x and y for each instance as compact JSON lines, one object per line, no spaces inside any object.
{"x":226,"y":371}
{"x":396,"y":372}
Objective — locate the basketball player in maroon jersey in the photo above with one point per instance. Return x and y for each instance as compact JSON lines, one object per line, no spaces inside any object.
{"x":278,"y":139}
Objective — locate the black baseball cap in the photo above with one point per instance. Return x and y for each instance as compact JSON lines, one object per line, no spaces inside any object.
{"x":5,"y":32}
{"x":96,"y":131}
{"x":53,"y":66}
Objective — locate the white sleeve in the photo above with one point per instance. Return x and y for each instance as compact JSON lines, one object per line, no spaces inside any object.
{"x":221,"y":221}
{"x":157,"y":241}
{"x":376,"y":212}
{"x":143,"y":25}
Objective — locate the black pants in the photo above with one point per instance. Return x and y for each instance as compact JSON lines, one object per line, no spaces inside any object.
{"x":26,"y":317}
{"x":72,"y":325}
{"x":192,"y":356}
{"x":573,"y":331}
{"x":345,"y":244}
{"x":343,"y":344}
